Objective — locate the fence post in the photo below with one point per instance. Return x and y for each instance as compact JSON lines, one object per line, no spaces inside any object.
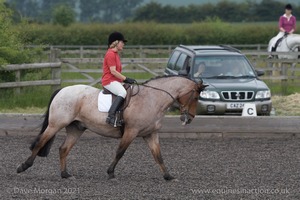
{"x":142,"y":53}
{"x":56,"y":75}
{"x":55,"y":72}
{"x":81,"y":52}
{"x":284,"y":83}
{"x":54,"y":55}
{"x":18,"y":79}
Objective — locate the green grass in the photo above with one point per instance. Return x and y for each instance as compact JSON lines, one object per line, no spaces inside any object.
{"x":37,"y":97}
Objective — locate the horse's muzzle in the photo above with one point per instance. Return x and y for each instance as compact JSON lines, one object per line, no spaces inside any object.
{"x":186,"y":118}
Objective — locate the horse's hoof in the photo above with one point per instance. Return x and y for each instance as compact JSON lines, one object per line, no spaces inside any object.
{"x":168,"y":177}
{"x":65,"y":174}
{"x":20,"y":169}
{"x":23,"y":167}
{"x":111,"y":177}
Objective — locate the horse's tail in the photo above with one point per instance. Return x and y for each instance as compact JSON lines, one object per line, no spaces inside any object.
{"x":44,"y":151}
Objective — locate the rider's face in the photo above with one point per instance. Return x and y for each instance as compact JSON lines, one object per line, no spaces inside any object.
{"x":120,"y":45}
{"x":288,"y":12}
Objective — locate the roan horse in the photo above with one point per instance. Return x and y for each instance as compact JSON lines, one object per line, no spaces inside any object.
{"x":288,"y":44}
{"x":75,"y":108}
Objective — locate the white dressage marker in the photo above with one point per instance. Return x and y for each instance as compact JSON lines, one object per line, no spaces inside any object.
{"x":249,"y":110}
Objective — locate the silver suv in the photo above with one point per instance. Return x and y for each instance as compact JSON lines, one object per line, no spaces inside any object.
{"x":232,"y":80}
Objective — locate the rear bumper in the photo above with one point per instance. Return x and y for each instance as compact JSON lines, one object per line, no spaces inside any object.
{"x":220,"y":108}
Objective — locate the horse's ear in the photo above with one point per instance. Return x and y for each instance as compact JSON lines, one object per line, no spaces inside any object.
{"x":201,"y":86}
{"x":204,"y":86}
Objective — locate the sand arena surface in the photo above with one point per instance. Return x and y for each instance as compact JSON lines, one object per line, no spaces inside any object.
{"x":205,"y":169}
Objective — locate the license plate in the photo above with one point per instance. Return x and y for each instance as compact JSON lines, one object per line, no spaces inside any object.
{"x":235,"y":105}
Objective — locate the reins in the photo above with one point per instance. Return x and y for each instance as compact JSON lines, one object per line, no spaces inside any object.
{"x":173,"y":98}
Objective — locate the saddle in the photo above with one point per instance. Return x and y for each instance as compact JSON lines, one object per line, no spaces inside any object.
{"x":127,"y":98}
{"x":119,"y":113}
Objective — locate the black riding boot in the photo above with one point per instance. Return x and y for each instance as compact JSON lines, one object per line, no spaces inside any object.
{"x":111,"y":119}
{"x":273,"y":49}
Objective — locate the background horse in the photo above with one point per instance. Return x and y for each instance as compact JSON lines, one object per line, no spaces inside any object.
{"x":75,"y":108}
{"x":288,"y":44}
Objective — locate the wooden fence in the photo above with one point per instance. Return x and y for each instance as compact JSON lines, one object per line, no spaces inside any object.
{"x":70,"y":59}
{"x":55,"y":80}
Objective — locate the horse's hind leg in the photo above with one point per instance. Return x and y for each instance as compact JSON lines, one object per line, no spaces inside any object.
{"x":42,"y":140}
{"x":153,"y":143}
{"x":73,"y":133}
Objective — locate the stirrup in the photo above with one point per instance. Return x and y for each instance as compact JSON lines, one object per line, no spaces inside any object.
{"x":114,"y":121}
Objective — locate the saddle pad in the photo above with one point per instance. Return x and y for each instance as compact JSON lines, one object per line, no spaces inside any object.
{"x":104,"y":101}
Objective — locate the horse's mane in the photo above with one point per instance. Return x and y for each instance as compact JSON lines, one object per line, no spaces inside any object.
{"x":166,"y":76}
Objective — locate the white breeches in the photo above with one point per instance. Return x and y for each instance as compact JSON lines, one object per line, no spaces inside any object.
{"x":116,"y":88}
{"x":274,"y":40}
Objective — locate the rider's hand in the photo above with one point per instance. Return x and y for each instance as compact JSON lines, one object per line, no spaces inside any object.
{"x":129,"y":80}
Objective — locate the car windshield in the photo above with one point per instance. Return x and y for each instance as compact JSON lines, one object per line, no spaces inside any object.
{"x":222,"y":67}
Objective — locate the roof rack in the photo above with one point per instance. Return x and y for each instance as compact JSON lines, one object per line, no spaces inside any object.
{"x":230,"y":48}
{"x":187,"y":48}
{"x":219,"y":47}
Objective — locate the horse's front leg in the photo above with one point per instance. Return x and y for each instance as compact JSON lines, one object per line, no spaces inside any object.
{"x":153,"y":143}
{"x":126,"y":140}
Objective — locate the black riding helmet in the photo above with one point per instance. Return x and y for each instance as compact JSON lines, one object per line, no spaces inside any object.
{"x":289,"y":7}
{"x":115,"y":36}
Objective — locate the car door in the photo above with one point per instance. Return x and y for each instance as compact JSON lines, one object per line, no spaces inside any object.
{"x":183,"y":64}
{"x":170,"y":70}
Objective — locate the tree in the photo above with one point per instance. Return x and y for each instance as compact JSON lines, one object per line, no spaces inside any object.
{"x":25,"y":8}
{"x":269,"y":10}
{"x":63,"y":15}
{"x":149,"y":12}
{"x":11,"y":47}
{"x":10,"y":42}
{"x":107,"y":11}
{"x":89,"y":11}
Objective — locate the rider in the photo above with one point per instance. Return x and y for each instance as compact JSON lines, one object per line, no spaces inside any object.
{"x":201,"y":69}
{"x":112,"y":78}
{"x":287,"y":25}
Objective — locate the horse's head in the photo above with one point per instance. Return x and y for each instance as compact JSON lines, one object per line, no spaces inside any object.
{"x":189,"y":101}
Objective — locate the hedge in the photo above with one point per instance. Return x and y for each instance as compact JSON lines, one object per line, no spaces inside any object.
{"x":151,"y":33}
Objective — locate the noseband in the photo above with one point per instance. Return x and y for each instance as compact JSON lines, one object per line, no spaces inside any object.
{"x":185,"y":112}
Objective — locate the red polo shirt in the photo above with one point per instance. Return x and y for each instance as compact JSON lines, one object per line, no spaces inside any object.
{"x":111,"y":58}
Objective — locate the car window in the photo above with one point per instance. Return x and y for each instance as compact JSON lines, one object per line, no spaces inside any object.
{"x":181,"y":62}
{"x":173,"y":59}
{"x":222,"y":66}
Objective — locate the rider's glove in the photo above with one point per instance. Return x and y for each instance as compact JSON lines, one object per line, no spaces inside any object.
{"x":129,"y":80}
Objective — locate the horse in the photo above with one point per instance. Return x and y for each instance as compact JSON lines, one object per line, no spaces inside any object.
{"x":289,"y":43}
{"x":75,"y":109}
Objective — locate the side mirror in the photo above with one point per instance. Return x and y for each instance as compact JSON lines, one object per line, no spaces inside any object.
{"x":260,"y":72}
